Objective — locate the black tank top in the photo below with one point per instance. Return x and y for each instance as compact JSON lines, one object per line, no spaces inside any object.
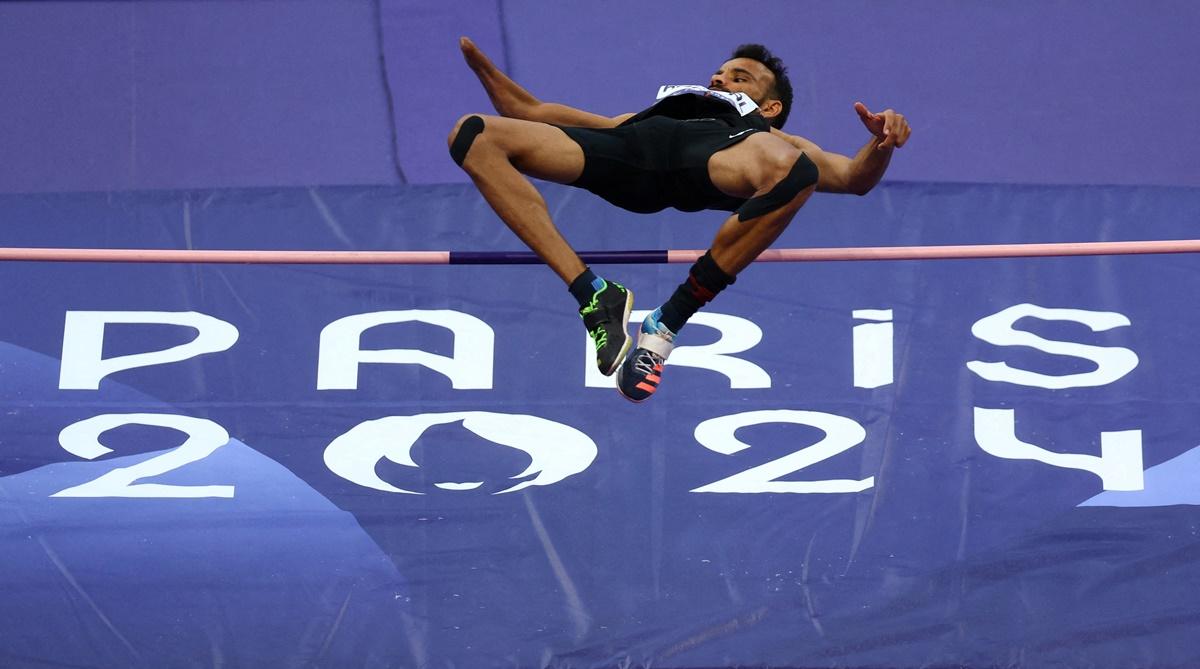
{"x":717,"y":126}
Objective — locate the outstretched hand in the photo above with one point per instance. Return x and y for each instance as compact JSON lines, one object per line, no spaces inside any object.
{"x":888,"y":125}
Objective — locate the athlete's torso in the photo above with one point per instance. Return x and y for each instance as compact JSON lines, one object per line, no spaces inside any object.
{"x":696,"y":123}
{"x":659,"y":157}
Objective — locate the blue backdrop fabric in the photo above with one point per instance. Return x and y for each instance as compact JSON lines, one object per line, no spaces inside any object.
{"x":109,"y":95}
{"x":995,"y":92}
{"x":856,"y":483}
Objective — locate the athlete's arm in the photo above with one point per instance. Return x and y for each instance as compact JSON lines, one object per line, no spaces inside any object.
{"x":513,"y":101}
{"x":857,"y":175}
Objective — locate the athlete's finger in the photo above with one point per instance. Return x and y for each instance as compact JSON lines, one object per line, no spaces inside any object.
{"x":872,"y":122}
{"x":898,"y":126}
{"x":863,"y":112}
{"x":895,"y":126}
{"x":902,"y":131}
{"x":889,"y":131}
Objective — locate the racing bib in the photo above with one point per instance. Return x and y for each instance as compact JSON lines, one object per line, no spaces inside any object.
{"x":739,"y":101}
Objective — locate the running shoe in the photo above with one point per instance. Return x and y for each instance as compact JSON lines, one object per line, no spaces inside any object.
{"x":606,"y":318}
{"x":641,"y":372}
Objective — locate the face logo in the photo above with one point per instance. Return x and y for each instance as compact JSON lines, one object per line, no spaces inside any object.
{"x":556,"y":451}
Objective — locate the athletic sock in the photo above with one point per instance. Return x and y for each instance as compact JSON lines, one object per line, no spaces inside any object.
{"x":704,"y":281}
{"x":585,"y":286}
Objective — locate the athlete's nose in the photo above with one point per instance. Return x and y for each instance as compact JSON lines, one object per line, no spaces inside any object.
{"x":716,"y":82}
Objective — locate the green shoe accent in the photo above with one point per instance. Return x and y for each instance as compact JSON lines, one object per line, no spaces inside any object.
{"x":606,"y":318}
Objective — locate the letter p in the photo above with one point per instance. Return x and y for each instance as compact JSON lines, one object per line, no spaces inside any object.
{"x":83,"y":364}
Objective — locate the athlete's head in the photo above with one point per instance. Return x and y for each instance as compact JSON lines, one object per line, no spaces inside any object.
{"x":755,"y":71}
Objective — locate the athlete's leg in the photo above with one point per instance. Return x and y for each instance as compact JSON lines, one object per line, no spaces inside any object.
{"x":496,"y":157}
{"x":753,"y":169}
{"x":776,"y":180}
{"x":496,"y":152}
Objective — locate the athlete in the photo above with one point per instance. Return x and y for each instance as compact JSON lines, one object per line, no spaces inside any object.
{"x":716,"y":147}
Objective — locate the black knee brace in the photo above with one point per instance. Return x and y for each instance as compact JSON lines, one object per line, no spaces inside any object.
{"x":804,"y":174}
{"x":467,"y":133}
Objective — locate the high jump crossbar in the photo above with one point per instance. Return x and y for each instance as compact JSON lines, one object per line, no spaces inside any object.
{"x":259,"y":257}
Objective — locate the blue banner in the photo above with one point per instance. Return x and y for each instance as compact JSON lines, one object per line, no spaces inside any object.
{"x":975,"y":463}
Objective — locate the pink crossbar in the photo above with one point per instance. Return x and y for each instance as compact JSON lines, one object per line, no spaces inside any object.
{"x":241,"y":256}
{"x":613,"y":257}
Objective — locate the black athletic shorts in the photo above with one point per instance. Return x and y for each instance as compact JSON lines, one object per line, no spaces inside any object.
{"x":657,"y":162}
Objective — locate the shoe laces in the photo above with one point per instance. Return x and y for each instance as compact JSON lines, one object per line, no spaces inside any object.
{"x":645,"y":361}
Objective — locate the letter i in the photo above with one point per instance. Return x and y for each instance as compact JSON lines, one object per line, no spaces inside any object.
{"x":873,"y":348}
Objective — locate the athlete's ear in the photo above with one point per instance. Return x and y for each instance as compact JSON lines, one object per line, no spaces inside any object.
{"x":771,"y":108}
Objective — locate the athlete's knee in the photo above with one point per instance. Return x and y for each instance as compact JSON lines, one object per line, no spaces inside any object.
{"x":463,"y":136}
{"x":792,"y":182}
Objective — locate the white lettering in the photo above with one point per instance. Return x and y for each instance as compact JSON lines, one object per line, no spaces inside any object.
{"x":203,"y":437}
{"x":83,"y":343}
{"x":841,"y":434}
{"x":1112,"y":362}
{"x":469,"y":367}
{"x":1119,"y":465}
{"x":873,"y":349}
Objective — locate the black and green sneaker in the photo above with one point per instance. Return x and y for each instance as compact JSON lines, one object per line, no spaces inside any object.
{"x":606,"y":318}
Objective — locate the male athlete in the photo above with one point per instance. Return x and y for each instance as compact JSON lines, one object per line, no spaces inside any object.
{"x":696,"y":148}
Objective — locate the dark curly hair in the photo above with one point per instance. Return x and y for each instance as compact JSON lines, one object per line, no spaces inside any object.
{"x":782,"y":90}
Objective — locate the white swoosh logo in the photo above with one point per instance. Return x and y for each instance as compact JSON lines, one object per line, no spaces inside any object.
{"x":741,"y":133}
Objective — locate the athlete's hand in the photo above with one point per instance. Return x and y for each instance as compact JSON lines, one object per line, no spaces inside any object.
{"x":888,"y":125}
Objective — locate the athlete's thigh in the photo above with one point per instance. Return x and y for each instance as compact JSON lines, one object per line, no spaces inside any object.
{"x":743,"y":169}
{"x":537,"y":149}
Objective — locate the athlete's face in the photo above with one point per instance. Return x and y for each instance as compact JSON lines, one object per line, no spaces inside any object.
{"x":743,"y":75}
{"x":746,"y":75}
